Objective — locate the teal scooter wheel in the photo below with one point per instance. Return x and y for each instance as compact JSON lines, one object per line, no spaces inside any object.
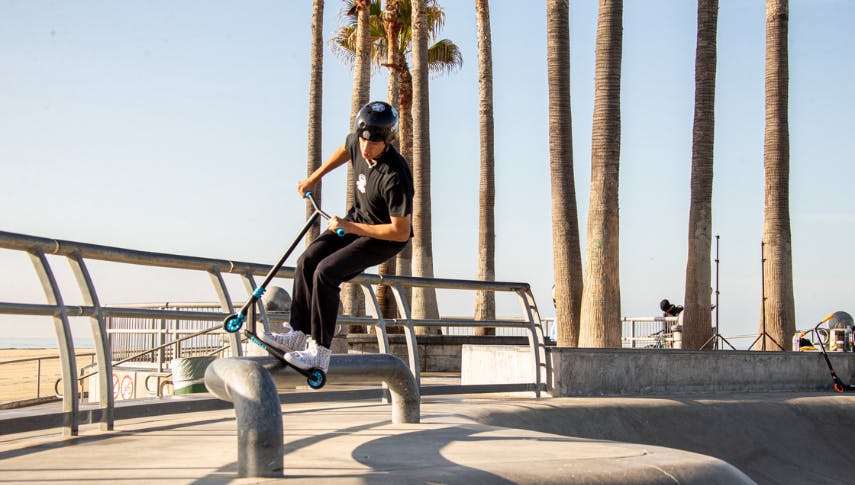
{"x":233,"y":322}
{"x":317,"y":378}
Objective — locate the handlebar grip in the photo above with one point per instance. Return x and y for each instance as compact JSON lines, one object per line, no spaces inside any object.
{"x":307,"y":194}
{"x":340,"y":232}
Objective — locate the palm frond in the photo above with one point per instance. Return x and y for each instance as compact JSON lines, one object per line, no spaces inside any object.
{"x":436,"y":19}
{"x":444,"y":57}
{"x":343,"y":44}
{"x":347,"y":13}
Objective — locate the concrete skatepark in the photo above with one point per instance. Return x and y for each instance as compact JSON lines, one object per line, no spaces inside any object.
{"x":602,"y":415}
{"x":345,"y":434}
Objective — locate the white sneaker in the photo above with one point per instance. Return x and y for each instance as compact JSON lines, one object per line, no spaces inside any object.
{"x":314,"y":356}
{"x":286,"y":342}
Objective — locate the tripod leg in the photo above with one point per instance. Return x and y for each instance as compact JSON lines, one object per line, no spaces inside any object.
{"x":728,"y":343}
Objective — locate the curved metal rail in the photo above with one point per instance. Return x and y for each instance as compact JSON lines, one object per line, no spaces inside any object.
{"x":250,"y":383}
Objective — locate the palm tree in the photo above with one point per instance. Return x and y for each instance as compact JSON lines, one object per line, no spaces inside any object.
{"x":485,"y":301}
{"x":392,"y":23}
{"x":600,"y":314}
{"x":697,"y":322}
{"x":404,"y":260}
{"x":442,"y":56}
{"x":424,"y":299}
{"x":565,"y":234}
{"x":778,"y":271}
{"x":353,"y":301}
{"x":315,"y":107}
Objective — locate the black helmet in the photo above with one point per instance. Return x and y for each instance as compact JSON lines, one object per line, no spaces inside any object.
{"x":376,"y":121}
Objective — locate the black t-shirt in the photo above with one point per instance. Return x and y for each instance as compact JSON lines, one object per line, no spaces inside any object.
{"x":381,"y":191}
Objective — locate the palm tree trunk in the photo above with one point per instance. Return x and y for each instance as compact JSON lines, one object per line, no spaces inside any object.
{"x":697,"y":321}
{"x":351,"y":294}
{"x":600,"y":324}
{"x":392,"y":26}
{"x":404,"y":260}
{"x":424,"y":299}
{"x":485,"y":301}
{"x":780,"y":304}
{"x":316,"y":91}
{"x":567,"y":257}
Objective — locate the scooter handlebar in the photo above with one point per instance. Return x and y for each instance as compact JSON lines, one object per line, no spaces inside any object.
{"x":308,"y":195}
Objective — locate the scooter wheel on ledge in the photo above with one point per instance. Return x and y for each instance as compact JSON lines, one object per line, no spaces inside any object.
{"x":317,"y":378}
{"x":233,"y":323}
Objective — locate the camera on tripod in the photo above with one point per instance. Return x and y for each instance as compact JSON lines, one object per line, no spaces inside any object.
{"x":669,"y":309}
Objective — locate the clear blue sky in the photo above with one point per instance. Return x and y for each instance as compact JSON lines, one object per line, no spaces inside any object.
{"x":181,"y":127}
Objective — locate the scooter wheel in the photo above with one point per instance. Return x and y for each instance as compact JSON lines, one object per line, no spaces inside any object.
{"x":233,"y":323}
{"x":838,"y":387}
{"x":317,"y":378}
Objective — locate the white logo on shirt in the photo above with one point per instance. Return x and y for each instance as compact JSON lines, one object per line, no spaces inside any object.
{"x":361,"y":182}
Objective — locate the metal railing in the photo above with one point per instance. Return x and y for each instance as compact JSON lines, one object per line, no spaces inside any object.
{"x":647,"y":332}
{"x":153,"y":343}
{"x":76,"y":253}
{"x":37,"y":395}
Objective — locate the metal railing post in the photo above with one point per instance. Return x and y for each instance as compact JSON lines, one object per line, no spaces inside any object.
{"x":535,"y":338}
{"x":38,"y":378}
{"x":161,"y":354}
{"x":409,"y":330}
{"x":373,"y":310}
{"x":70,"y":403}
{"x":98,"y":325}
{"x":372,"y":307}
{"x":227,"y":306}
{"x":250,"y":285}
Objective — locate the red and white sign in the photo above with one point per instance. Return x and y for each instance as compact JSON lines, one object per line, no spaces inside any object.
{"x":124,"y":385}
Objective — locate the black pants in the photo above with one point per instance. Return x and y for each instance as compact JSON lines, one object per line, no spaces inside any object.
{"x":326,"y":263}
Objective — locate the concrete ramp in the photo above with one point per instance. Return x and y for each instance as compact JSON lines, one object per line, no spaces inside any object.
{"x":351,"y":443}
{"x":772,"y":437}
{"x":479,"y":454}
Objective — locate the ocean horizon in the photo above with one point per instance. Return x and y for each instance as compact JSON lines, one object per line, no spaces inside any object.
{"x":41,"y":343}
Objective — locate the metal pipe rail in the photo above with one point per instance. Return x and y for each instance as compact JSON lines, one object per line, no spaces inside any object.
{"x":251,"y":384}
{"x":75,"y":252}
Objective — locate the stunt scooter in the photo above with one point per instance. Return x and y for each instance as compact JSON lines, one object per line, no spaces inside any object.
{"x":839,"y":386}
{"x":316,"y":378}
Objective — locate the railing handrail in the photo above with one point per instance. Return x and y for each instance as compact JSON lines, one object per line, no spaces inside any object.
{"x":648,"y":319}
{"x":23,"y":242}
{"x":77,"y":252}
{"x":43,"y":357}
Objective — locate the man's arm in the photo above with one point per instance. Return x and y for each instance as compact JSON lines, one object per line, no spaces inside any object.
{"x":398,"y":230}
{"x":337,"y":159}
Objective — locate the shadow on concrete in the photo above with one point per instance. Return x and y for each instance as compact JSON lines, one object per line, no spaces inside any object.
{"x":104,"y":436}
{"x":422,"y":449}
{"x":773,"y":438}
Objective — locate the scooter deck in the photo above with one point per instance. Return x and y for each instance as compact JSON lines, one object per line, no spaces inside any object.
{"x":315,"y":377}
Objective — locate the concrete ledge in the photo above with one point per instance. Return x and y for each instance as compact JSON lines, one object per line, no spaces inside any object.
{"x":496,"y":364}
{"x":597,"y":372}
{"x":601,"y":372}
{"x":437,"y":353}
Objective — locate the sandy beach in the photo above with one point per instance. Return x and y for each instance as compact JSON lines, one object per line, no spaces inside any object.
{"x":18,"y":380}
